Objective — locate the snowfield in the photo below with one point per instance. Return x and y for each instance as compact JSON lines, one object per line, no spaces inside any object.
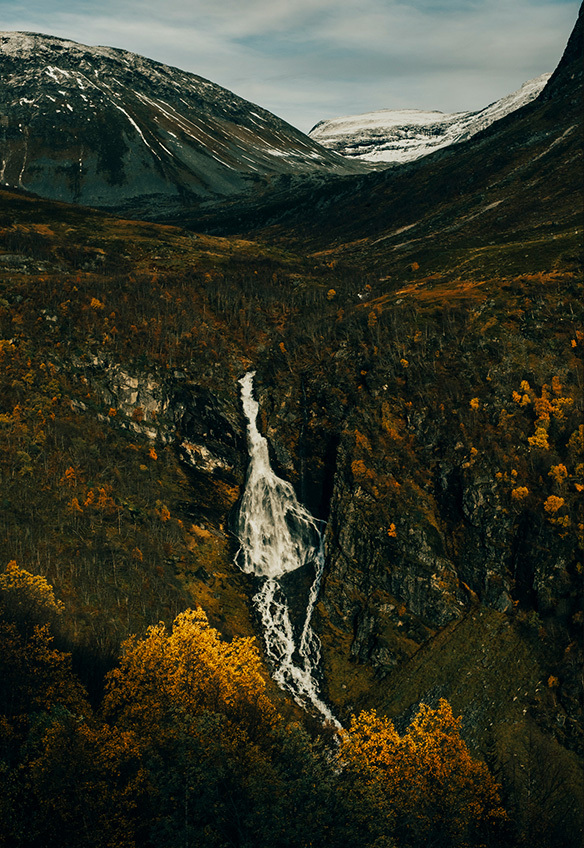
{"x":402,"y":135}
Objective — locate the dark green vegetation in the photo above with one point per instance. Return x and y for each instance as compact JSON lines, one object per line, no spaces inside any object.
{"x":424,"y":397}
{"x":186,"y":748}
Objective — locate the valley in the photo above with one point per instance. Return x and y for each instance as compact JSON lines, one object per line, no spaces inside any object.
{"x":417,"y":341}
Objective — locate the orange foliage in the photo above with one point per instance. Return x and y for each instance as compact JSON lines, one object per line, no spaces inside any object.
{"x":426,"y":778}
{"x":559,"y":473}
{"x":104,"y":501}
{"x":71,"y":476}
{"x":163,"y":513}
{"x":189,"y":670}
{"x":74,"y":507}
{"x":539,"y":439}
{"x":553,"y":504}
{"x":362,"y":441}
{"x":542,"y":405}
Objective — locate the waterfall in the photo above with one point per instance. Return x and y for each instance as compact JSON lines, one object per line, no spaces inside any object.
{"x":277,"y":536}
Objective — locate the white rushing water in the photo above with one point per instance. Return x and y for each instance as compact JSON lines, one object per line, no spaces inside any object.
{"x":278,"y":535}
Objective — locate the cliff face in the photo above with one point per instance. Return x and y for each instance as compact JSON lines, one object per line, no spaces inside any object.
{"x":417,"y":424}
{"x":422,"y":437}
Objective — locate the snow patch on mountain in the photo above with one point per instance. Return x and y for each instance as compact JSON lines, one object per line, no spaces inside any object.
{"x":402,"y":135}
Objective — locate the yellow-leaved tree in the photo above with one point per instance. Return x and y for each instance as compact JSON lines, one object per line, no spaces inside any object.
{"x":192,"y":670}
{"x":423,"y":786}
{"x":199,"y":708}
{"x":27,"y":599}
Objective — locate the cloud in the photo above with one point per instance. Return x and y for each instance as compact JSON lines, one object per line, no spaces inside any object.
{"x":307,"y":60}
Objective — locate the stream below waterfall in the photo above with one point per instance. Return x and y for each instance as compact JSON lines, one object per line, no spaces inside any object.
{"x":278,"y":536}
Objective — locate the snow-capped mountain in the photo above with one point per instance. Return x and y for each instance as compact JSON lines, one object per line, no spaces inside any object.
{"x":112,"y":129}
{"x":402,"y":135}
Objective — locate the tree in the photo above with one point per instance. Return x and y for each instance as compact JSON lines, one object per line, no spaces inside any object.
{"x":423,"y":786}
{"x":190,"y":670}
{"x":223,"y":768}
{"x":27,"y":599}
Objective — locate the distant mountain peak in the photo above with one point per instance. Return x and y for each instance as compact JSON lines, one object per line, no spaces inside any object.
{"x":402,"y":135}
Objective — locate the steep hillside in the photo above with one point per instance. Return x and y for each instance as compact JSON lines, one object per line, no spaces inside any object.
{"x":108,"y":128}
{"x":436,"y":427}
{"x":121,"y":346}
{"x":402,"y":135}
{"x":496,"y":202}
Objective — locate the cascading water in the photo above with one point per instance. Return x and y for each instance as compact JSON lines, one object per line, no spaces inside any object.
{"x":278,"y":535}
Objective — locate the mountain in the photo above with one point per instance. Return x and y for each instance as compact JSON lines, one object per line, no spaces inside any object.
{"x":514,"y":187}
{"x":111,"y":129}
{"x":402,"y":135}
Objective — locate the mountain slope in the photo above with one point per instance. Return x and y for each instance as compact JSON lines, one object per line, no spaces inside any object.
{"x":123,"y":453}
{"x":403,"y":135}
{"x":419,"y":379}
{"x":516,"y":183}
{"x":112,"y":129}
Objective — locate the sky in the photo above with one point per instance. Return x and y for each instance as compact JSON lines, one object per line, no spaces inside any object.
{"x":309,"y":60}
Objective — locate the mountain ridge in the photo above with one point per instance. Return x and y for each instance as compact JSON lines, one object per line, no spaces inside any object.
{"x":511,"y":180}
{"x":108,"y":128}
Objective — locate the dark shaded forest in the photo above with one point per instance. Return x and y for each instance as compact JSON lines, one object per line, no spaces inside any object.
{"x":186,"y":748}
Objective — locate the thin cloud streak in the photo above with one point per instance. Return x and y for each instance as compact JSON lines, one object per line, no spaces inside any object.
{"x":307,"y":60}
